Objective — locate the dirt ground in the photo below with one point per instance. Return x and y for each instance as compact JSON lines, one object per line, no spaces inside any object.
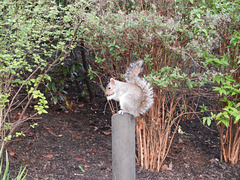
{"x":77,"y":145}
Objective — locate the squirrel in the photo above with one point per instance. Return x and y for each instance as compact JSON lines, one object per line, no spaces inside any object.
{"x":135,"y":96}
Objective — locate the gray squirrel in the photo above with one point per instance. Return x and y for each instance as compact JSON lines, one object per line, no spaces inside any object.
{"x":135,"y":96}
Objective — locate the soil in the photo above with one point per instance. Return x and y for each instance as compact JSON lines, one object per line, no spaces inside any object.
{"x":77,"y":145}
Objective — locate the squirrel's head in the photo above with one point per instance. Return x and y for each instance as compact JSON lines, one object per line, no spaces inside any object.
{"x":110,"y":89}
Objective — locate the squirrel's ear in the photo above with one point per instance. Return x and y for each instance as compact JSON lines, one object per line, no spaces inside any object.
{"x":112,"y":81}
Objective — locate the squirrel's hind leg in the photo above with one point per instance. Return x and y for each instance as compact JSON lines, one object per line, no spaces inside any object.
{"x":128,"y":106}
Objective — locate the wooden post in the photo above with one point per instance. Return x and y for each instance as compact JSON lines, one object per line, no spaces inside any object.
{"x":123,"y":147}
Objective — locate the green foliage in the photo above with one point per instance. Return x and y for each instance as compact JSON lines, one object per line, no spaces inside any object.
{"x":71,"y":70}
{"x":167,"y":77}
{"x":229,"y":90}
{"x":8,"y":127}
{"x":188,"y":46}
{"x":122,"y":31}
{"x":213,"y":23}
{"x":30,"y":43}
{"x":4,"y":100}
{"x":209,"y":119}
{"x":180,"y":131}
{"x":35,"y":36}
{"x":209,"y":23}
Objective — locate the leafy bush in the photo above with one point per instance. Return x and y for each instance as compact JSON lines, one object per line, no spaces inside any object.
{"x":186,"y":45}
{"x":118,"y":37}
{"x":227,"y":86}
{"x":35,"y":36}
{"x":71,"y":71}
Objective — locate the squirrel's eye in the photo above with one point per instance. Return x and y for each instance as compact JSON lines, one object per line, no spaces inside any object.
{"x":109,"y":87}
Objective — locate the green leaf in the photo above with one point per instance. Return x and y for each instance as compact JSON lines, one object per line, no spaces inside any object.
{"x":204,"y":120}
{"x":205,"y":32}
{"x":103,"y":51}
{"x":237,"y":118}
{"x":238,"y":105}
{"x":209,"y":121}
{"x":218,"y":79}
{"x":54,"y":88}
{"x":6,"y":173}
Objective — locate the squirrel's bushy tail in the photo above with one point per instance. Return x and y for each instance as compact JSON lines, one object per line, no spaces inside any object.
{"x":132,"y":76}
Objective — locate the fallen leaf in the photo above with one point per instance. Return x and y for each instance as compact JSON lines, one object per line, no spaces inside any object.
{"x":100,"y":152}
{"x":52,"y":133}
{"x":23,"y":117}
{"x":54,"y":166}
{"x":86,"y":166}
{"x":11,"y":153}
{"x":92,"y":152}
{"x":106,"y":133}
{"x":79,"y":159}
{"x":69,"y":105}
{"x":95,"y":128}
{"x":77,"y":136}
{"x":13,"y":117}
{"x":166,"y":167}
{"x":48,"y":156}
{"x":81,"y":105}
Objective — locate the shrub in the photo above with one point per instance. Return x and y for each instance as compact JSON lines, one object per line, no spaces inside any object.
{"x":35,"y":36}
{"x":173,"y":39}
{"x":118,"y":37}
